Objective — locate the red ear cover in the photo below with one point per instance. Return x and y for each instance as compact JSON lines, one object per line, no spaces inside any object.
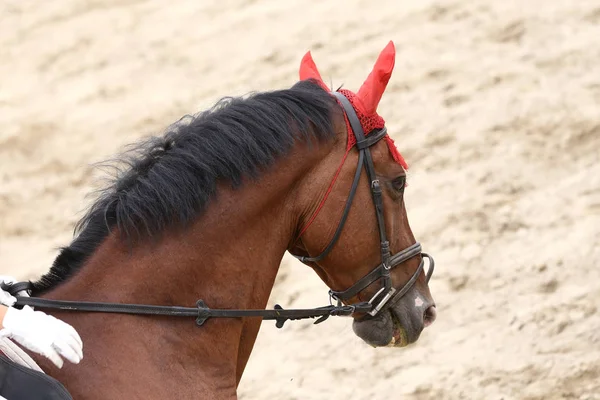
{"x":366,"y":100}
{"x":372,"y":89}
{"x":308,"y":70}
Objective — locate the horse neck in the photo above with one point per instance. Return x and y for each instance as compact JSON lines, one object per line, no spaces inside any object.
{"x":229,"y":258}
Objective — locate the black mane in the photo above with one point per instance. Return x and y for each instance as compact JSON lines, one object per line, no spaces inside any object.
{"x":167,"y":181}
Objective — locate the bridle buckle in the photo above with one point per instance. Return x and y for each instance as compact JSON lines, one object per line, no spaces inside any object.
{"x":383,"y":301}
{"x":332,"y":296}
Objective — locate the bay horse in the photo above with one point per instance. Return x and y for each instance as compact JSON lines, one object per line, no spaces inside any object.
{"x":207,"y":211}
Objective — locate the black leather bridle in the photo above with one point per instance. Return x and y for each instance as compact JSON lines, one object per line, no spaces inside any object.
{"x":382,"y":272}
{"x":384,"y":297}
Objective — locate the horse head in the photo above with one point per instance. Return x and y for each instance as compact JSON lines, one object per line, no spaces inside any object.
{"x":372,"y":255}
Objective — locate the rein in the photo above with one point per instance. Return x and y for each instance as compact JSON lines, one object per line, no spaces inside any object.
{"x":201,"y":312}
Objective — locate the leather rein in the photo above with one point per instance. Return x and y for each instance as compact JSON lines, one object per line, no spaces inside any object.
{"x":386,"y":296}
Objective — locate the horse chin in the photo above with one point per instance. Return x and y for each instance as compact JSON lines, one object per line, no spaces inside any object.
{"x":385,"y":330}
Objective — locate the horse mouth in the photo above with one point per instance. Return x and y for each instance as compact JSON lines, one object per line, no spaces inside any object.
{"x":385,"y":330}
{"x":399,"y":335}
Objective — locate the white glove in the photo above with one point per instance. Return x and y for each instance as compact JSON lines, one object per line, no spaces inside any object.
{"x":6,"y":298}
{"x":38,"y":331}
{"x":43,"y":334}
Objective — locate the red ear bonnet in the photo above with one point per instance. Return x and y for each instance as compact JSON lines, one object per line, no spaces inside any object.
{"x":372,"y":89}
{"x":308,"y":70}
{"x":367,"y":99}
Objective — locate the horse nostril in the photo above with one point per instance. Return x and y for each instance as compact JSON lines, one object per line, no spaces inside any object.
{"x":429,"y":316}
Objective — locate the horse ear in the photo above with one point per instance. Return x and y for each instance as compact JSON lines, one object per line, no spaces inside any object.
{"x":308,"y":70}
{"x":372,"y":89}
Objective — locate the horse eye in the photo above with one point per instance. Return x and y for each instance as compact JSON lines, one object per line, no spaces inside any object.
{"x":399,"y":183}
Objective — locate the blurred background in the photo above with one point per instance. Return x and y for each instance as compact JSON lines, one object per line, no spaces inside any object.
{"x":495,"y":104}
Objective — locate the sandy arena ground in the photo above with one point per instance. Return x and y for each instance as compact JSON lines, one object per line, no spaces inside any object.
{"x":495,"y":104}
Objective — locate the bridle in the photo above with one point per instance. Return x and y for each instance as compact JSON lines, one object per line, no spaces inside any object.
{"x":386,"y":296}
{"x":388,"y":261}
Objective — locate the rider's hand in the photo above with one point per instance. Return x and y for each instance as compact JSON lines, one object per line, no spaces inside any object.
{"x":5,"y":297}
{"x":43,"y":334}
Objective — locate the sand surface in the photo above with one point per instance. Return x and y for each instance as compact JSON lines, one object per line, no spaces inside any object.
{"x":495,"y":104}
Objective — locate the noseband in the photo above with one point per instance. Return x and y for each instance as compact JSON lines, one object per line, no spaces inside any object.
{"x":388,"y":261}
{"x":385,"y":296}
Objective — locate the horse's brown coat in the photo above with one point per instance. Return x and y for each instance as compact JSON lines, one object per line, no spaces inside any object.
{"x":229,"y":258}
